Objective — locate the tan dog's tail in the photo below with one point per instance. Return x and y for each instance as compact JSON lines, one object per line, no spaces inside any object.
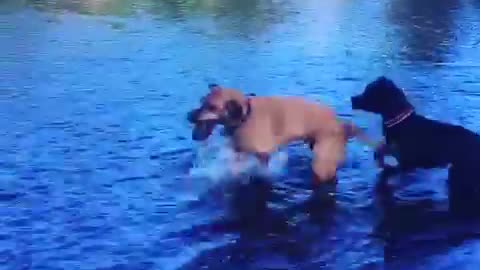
{"x":352,"y":131}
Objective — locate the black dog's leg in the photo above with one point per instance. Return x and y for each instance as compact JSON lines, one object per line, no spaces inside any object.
{"x":382,"y":180}
{"x":384,"y":175}
{"x":389,"y":171}
{"x":463,"y":191}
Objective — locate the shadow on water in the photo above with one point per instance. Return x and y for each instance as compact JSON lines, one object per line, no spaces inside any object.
{"x":426,"y":29}
{"x":417,"y":228}
{"x":267,"y":237}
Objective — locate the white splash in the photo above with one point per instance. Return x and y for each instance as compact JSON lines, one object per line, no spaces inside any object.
{"x":216,"y":161}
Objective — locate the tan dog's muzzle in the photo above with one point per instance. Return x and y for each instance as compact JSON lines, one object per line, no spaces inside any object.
{"x":204,"y":123}
{"x":192,"y":116}
{"x":203,"y":129}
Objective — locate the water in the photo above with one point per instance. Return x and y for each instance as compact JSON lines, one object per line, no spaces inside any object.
{"x":96,"y":167}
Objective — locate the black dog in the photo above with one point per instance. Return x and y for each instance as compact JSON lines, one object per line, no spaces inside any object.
{"x":418,"y":142}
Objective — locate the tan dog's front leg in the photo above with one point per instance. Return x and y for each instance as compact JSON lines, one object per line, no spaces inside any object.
{"x":237,"y":165}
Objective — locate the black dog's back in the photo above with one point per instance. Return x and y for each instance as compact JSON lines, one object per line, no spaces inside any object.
{"x":424,"y":143}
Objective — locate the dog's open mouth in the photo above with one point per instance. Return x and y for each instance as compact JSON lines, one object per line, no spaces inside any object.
{"x":203,"y":129}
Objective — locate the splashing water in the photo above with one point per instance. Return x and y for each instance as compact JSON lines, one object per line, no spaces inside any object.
{"x":216,"y":163}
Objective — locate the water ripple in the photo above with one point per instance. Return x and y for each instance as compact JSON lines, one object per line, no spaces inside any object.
{"x":96,"y":151}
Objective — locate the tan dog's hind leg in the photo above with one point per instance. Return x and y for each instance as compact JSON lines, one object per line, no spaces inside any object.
{"x":327,"y":154}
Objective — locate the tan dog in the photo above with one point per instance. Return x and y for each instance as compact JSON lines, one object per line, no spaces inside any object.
{"x":259,"y":125}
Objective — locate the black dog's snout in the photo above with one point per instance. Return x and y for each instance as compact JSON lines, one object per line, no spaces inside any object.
{"x":192,"y":116}
{"x":356,"y":102}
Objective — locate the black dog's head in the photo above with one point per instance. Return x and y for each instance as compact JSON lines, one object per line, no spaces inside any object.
{"x":382,"y":97}
{"x":220,"y":106}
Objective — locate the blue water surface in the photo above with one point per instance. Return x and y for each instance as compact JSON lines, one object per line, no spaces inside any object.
{"x":96,"y":156}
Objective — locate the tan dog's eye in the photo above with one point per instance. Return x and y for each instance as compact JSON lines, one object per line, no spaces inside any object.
{"x":212,"y":107}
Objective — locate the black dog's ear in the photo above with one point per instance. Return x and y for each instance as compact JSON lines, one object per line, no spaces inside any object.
{"x":233,"y":110}
{"x":382,"y":79}
{"x":385,"y":82}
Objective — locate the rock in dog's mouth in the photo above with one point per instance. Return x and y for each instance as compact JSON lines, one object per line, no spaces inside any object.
{"x":203,"y":129}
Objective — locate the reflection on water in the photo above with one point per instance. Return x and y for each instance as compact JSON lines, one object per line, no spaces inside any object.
{"x":245,"y":17}
{"x":426,"y":29}
{"x":93,"y":7}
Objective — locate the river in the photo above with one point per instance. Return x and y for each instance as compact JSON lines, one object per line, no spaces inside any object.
{"x":96,"y":156}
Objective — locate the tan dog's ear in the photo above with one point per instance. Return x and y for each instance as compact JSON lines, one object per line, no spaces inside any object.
{"x":233,"y":111}
{"x":214,"y":87}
